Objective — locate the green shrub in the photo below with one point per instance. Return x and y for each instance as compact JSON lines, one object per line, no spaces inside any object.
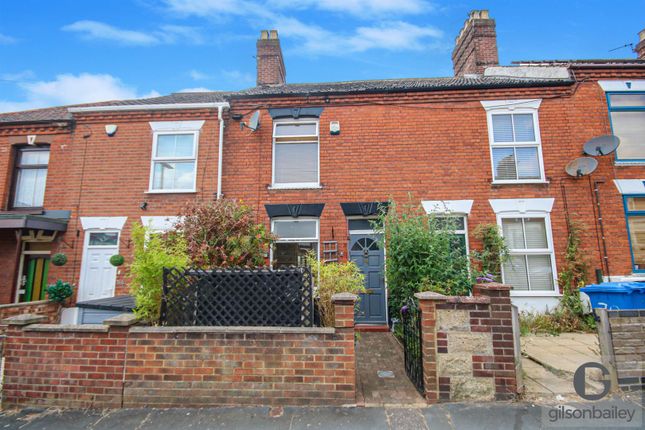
{"x":60,"y":291}
{"x":421,"y":255}
{"x":223,"y":233}
{"x":117,"y":260}
{"x":151,"y":253}
{"x":59,"y":259}
{"x":488,"y":261}
{"x":332,"y":278}
{"x":560,"y":320}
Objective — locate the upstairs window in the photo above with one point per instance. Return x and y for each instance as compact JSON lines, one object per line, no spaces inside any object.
{"x":295,"y":154}
{"x":635,"y":212}
{"x":627,"y":113}
{"x":515,"y":144}
{"x":174,"y":159}
{"x":30,"y":177}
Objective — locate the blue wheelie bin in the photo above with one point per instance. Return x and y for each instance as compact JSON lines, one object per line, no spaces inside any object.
{"x":616,"y":295}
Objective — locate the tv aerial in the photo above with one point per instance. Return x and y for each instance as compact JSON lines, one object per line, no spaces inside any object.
{"x":254,"y":122}
{"x":582,"y":166}
{"x":602,"y":145}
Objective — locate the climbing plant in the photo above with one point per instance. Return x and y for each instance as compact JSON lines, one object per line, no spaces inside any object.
{"x":494,"y":252}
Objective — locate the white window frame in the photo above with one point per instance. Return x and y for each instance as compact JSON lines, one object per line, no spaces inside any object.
{"x":173,"y":128}
{"x":297,"y":239}
{"x":510,"y":107}
{"x":295,"y":185}
{"x":542,"y":251}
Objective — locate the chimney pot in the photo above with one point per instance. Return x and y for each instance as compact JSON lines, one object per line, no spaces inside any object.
{"x":640,"y":48}
{"x":270,"y":64}
{"x":476,"y":45}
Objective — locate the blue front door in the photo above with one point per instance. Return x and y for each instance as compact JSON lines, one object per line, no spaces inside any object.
{"x":366,"y":251}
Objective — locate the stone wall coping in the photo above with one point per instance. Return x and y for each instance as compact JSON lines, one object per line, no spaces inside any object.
{"x":25,"y":304}
{"x":24,"y":319}
{"x":235,"y":330}
{"x":625,"y":313}
{"x":492,"y":286}
{"x":122,"y":320}
{"x":430,"y":295}
{"x":469,"y":299}
{"x":344,"y":297}
{"x":69,"y":328}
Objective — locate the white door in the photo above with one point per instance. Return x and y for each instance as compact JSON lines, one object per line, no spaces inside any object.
{"x":98,"y":276}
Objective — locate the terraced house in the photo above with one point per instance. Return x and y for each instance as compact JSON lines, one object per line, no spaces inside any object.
{"x":317,"y":161}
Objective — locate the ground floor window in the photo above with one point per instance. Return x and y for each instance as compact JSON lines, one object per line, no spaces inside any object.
{"x":295,"y":238}
{"x":635,"y":212}
{"x":459,"y":225}
{"x":530,"y":266}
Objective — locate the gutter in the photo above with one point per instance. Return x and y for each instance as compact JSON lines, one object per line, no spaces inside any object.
{"x":162,"y":106}
{"x":220,"y":148}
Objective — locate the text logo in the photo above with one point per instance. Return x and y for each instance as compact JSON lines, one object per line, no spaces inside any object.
{"x":580,"y":381}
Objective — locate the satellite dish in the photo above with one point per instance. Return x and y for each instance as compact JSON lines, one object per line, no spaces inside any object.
{"x":581,"y":166}
{"x":254,"y":122}
{"x":602,"y":145}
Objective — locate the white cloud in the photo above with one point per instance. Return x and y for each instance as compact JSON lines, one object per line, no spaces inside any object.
{"x":316,"y":40}
{"x":196,"y":90}
{"x":18,"y":76}
{"x":167,"y":34}
{"x":72,"y":89}
{"x":359,"y":8}
{"x":6,"y":40}
{"x":196,"y":75}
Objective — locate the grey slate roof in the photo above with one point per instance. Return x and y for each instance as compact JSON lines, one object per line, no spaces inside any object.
{"x":60,"y":113}
{"x":399,"y":85}
{"x":349,"y":87}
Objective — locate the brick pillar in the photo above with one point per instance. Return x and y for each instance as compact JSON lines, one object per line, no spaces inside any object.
{"x":344,"y":304}
{"x":427,"y":304}
{"x":501,"y":325}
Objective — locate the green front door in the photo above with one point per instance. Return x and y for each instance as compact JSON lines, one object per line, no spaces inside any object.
{"x":35,"y":277}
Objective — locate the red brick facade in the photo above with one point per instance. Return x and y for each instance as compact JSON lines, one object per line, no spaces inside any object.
{"x":107,"y":366}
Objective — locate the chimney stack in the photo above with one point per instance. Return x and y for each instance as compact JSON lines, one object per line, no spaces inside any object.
{"x":476,"y":45}
{"x":640,"y":48}
{"x":270,"y":64}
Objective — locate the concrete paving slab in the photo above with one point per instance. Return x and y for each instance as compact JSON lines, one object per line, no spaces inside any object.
{"x":437,"y":418}
{"x":58,"y":419}
{"x":337,"y":418}
{"x":405,"y":419}
{"x":494,"y":416}
{"x":240,"y":418}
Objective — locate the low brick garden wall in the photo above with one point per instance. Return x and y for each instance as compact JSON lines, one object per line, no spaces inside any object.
{"x":468,"y":349}
{"x":42,"y":307}
{"x":118,"y":364}
{"x":622,"y":346}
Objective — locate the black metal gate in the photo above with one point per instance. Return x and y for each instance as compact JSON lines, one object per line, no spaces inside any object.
{"x":412,"y":343}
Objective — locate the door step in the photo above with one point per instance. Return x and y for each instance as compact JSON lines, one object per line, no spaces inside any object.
{"x":371,"y":327}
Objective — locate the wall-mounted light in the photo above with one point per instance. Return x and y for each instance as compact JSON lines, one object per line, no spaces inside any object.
{"x":143,"y":206}
{"x":110,"y":129}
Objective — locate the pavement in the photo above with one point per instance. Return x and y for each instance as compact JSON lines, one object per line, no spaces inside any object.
{"x":449,"y":416}
{"x":549,"y":362}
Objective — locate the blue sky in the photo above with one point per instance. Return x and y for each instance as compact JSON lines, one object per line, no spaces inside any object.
{"x":69,"y":51}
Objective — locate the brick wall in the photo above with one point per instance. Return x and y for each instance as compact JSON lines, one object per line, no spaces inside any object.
{"x":622,"y":346}
{"x":115,"y":365}
{"x":468,"y":351}
{"x":51,"y":310}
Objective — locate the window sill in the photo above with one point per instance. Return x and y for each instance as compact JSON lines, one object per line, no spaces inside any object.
{"x":535,"y":294}
{"x":626,"y":163}
{"x":294,"y":187}
{"x":540,"y":182}
{"x":170,"y":192}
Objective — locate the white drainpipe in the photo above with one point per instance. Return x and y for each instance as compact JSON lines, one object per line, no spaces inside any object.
{"x":220,"y":110}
